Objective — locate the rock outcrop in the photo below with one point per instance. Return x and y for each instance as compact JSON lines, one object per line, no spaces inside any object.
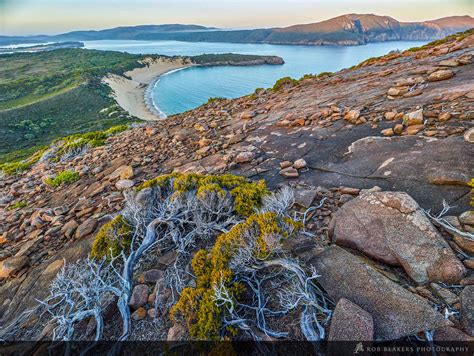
{"x":396,"y":312}
{"x":392,"y":228}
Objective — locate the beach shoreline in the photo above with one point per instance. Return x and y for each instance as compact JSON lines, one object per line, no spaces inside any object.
{"x":134,"y":90}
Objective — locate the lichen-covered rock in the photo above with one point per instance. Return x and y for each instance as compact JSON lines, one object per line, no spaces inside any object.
{"x":392,"y":228}
{"x":396,"y":312}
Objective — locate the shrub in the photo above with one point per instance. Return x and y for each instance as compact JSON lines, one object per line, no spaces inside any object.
{"x":20,"y":166}
{"x":247,"y":195}
{"x":65,"y":177}
{"x":112,"y":238}
{"x":18,"y":205}
{"x":196,"y":305}
{"x":283,"y":83}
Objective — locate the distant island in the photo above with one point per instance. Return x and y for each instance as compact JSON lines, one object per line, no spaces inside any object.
{"x":43,"y":47}
{"x":350,"y":29}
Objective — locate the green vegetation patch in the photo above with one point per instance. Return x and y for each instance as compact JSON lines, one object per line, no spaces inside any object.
{"x":196,"y":306}
{"x":247,"y":195}
{"x":112,"y":238}
{"x":15,"y":167}
{"x":18,"y":205}
{"x":283,"y":83}
{"x":64,"y":177}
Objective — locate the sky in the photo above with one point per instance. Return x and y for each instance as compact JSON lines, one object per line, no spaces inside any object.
{"x":22,"y":17}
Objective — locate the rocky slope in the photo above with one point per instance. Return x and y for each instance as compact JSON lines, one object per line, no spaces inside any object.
{"x":368,"y":150}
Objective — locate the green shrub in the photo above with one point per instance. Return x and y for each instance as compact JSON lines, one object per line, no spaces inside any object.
{"x":65,"y":177}
{"x":283,"y":83}
{"x":196,"y":305}
{"x":18,"y":205}
{"x":247,"y":195}
{"x":112,"y":238}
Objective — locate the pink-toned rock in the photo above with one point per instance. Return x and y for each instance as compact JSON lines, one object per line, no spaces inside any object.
{"x":139,"y":296}
{"x":442,"y":74}
{"x":351,"y":323}
{"x":176,"y":333}
{"x":289,"y":172}
{"x":122,"y":172}
{"x":139,"y":314}
{"x":448,"y":333}
{"x":69,"y":228}
{"x":12,"y":265}
{"x":396,"y":311}
{"x":243,"y":157}
{"x":124,"y":184}
{"x":300,"y":164}
{"x":392,"y":228}
{"x":467,"y":309}
{"x":86,"y":228}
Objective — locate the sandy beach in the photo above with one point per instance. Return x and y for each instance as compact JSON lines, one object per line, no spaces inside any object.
{"x":133,"y":91}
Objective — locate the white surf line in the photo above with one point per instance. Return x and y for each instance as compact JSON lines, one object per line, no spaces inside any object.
{"x":149,"y":101}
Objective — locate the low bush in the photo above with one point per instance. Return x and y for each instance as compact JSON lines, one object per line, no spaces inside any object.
{"x":65,"y":177}
{"x":258,"y":235}
{"x":112,"y":238}
{"x":247,"y":195}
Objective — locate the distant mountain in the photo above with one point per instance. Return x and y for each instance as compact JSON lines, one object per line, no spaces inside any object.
{"x":351,"y":29}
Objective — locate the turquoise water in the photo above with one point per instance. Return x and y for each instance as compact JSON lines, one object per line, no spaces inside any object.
{"x":188,"y":88}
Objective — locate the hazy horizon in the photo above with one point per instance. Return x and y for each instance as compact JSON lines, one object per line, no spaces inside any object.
{"x":31,"y":17}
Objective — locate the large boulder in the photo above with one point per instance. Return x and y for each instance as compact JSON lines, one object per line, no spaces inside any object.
{"x":12,"y":265}
{"x":351,"y":323}
{"x":396,"y":312}
{"x":392,"y":228}
{"x":467,"y":310}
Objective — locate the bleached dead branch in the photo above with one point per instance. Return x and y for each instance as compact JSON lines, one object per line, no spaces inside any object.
{"x":446,"y":224}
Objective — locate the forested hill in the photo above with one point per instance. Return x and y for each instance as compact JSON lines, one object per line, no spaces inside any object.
{"x":350,"y":29}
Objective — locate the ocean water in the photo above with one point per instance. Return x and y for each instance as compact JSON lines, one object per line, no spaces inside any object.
{"x":188,"y":88}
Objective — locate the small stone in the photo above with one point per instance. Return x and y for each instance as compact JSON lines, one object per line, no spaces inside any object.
{"x":469,"y":263}
{"x":124,"y":184}
{"x":168,"y":258}
{"x":413,"y":130}
{"x":243,"y":157}
{"x":387,"y":132}
{"x":152,"y":275}
{"x":442,"y":74}
{"x":152,"y":313}
{"x":444,"y":116}
{"x":466,"y":244}
{"x":449,"y":63}
{"x":398,"y":129}
{"x":176,"y":333}
{"x":351,"y":323}
{"x":247,"y":115}
{"x":123,"y":172}
{"x":299,"y":164}
{"x":139,"y":296}
{"x":394,"y":92}
{"x":352,"y":115}
{"x":69,"y":228}
{"x":467,"y":218}
{"x":469,"y":135}
{"x":139,"y":314}
{"x":445,"y":294}
{"x":86,"y":228}
{"x":289,"y":172}
{"x":390,"y":115}
{"x":285,"y":164}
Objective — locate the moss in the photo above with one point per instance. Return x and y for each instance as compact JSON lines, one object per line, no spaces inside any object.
{"x":112,"y":239}
{"x":64,"y":177}
{"x":18,"y":205}
{"x":196,"y":305}
{"x":247,"y":195}
{"x":116,"y":129}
